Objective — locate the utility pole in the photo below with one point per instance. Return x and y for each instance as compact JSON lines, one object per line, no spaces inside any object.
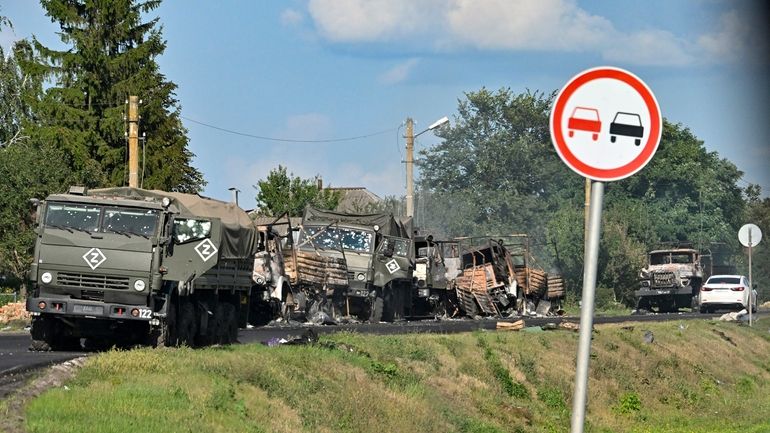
{"x":409,"y":167}
{"x":133,"y":141}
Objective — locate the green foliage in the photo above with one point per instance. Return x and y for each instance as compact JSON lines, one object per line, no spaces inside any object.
{"x":27,"y":171}
{"x":496,"y":172}
{"x":629,"y":403}
{"x":285,"y":193}
{"x":510,"y":387}
{"x":111,"y":54}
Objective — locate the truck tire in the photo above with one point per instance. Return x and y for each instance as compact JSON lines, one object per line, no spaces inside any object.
{"x":47,"y":336}
{"x":230,"y":324}
{"x":376,"y":309}
{"x":166,"y":334}
{"x":188,"y":326}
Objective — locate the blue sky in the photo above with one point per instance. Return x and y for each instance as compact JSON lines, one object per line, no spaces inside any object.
{"x":326,"y":69}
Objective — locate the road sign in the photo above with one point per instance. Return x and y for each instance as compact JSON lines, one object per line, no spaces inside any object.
{"x":606,"y":124}
{"x":752,"y":232}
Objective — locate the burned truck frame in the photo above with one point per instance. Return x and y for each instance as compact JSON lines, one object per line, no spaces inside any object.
{"x":671,"y":280}
{"x":437,"y":265}
{"x":127,"y":266}
{"x":346,"y":265}
{"x":498,"y":278}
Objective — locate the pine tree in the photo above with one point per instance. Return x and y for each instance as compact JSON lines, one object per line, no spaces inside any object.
{"x":111,"y":55}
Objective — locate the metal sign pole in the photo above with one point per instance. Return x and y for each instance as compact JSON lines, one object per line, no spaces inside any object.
{"x":751,"y":283}
{"x":587,"y":308}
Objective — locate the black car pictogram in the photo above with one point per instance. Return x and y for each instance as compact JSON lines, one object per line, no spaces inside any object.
{"x":627,"y":124}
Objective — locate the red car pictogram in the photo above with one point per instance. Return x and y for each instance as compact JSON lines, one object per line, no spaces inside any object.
{"x":584,"y":119}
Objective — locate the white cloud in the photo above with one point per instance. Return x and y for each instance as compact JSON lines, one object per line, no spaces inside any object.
{"x":736,"y":36}
{"x":291,"y":17}
{"x":399,"y":72}
{"x":525,"y":25}
{"x":520,"y":25}
{"x":650,"y":47}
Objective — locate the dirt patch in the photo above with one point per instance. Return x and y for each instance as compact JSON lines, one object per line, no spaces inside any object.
{"x":17,"y":395}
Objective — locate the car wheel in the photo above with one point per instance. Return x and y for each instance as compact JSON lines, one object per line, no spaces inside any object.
{"x":571,"y":133}
{"x":613,"y":138}
{"x":637,"y":142}
{"x":595,"y":137}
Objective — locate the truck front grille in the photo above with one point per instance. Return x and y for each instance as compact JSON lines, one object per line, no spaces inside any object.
{"x":91,"y":281}
{"x":663,"y":279}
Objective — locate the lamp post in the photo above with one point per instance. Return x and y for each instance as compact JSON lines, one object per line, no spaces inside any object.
{"x":410,"y":136}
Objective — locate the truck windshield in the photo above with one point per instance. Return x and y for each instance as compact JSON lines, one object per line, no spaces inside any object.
{"x":668,"y":258}
{"x":140,"y":222}
{"x":331,"y":238}
{"x":110,"y":219}
{"x":73,"y":216}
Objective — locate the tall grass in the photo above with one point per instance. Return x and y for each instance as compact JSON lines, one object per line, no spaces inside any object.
{"x":477,"y":383}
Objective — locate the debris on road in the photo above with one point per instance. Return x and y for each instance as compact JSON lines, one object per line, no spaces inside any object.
{"x":510,"y":326}
{"x":13,"y":311}
{"x":734,"y":316}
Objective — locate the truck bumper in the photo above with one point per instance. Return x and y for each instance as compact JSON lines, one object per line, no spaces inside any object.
{"x":662,"y":292}
{"x":88,"y":309}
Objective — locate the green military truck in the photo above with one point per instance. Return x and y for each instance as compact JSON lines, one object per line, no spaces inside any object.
{"x":350,"y":265}
{"x":132,"y":266}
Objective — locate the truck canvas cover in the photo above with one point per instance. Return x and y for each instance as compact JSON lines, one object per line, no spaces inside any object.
{"x":239,"y":235}
{"x":389,"y":225}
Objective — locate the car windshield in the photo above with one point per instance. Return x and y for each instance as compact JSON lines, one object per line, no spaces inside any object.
{"x":331,"y":238}
{"x":724,"y":280}
{"x":400,"y":246}
{"x":93,"y":218}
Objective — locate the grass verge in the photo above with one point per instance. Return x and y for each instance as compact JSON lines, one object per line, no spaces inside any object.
{"x":692,"y":377}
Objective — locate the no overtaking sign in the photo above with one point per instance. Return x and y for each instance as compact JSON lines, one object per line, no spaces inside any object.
{"x":606,"y":124}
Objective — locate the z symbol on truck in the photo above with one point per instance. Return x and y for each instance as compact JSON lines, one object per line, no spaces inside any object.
{"x":94,"y":257}
{"x":206,"y":249}
{"x":392,"y":266}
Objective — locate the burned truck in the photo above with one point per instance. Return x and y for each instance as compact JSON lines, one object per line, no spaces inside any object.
{"x":131,"y":266}
{"x":350,"y":265}
{"x":437,"y":264}
{"x":671,"y":280}
{"x":497,"y":278}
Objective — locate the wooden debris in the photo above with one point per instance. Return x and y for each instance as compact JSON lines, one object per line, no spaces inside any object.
{"x":569,"y":326}
{"x":510,"y":326}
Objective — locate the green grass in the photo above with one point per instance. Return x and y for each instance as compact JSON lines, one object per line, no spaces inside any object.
{"x":479,"y":382}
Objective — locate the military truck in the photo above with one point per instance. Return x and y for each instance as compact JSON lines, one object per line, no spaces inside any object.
{"x":350,"y":265}
{"x":671,"y":280}
{"x":127,"y":266}
{"x":437,"y":264}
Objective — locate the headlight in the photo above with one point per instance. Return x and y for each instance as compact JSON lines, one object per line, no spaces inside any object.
{"x":360,"y":277}
{"x":139,"y":285}
{"x":165,"y":202}
{"x":46,"y":277}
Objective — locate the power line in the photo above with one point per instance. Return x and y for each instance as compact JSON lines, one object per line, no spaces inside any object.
{"x":287,"y":140}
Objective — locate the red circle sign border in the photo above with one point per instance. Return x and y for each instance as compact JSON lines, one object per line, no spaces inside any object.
{"x":650,"y":146}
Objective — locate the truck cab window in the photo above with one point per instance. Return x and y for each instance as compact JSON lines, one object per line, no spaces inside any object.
{"x":186,"y":230}
{"x":130,"y":221}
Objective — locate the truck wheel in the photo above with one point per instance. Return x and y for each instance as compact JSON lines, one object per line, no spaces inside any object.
{"x":230,"y":324}
{"x":166,"y":334}
{"x":376,"y":309}
{"x":220,"y":323}
{"x":187,"y":324}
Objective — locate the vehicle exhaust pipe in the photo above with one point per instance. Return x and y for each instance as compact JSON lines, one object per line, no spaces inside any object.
{"x":234,"y":195}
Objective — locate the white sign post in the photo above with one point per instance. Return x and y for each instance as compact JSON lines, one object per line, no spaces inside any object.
{"x":605,"y":125}
{"x":749,"y":235}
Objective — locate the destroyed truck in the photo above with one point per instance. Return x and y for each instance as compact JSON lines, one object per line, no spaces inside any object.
{"x":350,"y":265}
{"x":131,"y":266}
{"x":671,"y":280}
{"x":497,"y":278}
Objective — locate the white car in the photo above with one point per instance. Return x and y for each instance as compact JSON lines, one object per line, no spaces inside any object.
{"x":727,"y":291}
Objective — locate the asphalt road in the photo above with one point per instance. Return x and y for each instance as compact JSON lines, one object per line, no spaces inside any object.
{"x":16,"y":359}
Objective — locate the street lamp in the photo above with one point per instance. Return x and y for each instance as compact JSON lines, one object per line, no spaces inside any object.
{"x":410,"y":136}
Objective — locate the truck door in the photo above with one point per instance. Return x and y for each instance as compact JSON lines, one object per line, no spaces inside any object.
{"x":392,"y":260}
